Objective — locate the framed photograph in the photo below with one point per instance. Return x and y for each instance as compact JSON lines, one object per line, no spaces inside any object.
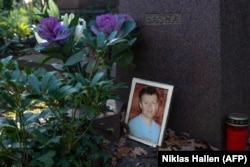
{"x":147,"y":111}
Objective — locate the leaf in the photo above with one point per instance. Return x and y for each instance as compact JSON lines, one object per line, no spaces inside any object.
{"x":46,"y":159}
{"x":132,"y":41}
{"x":138,"y":151}
{"x":88,"y":38}
{"x":128,"y":27}
{"x":58,"y":67}
{"x":76,"y":58}
{"x":45,"y":80}
{"x":189,"y":146}
{"x":34,"y":82}
{"x":80,"y":78}
{"x":29,"y":117}
{"x":6,"y":60}
{"x":170,"y":133}
{"x":100,"y":39}
{"x":97,"y":78}
{"x":121,"y":142}
{"x":176,"y":141}
{"x":15,"y":74}
{"x":185,"y":134}
{"x":39,"y":136}
{"x":116,"y":40}
{"x":201,"y":144}
{"x":112,"y":35}
{"x":47,"y":50}
{"x":9,"y":99}
{"x":123,"y":152}
{"x":65,"y":91}
{"x":53,"y":85}
{"x":9,"y":130}
{"x":119,"y":85}
{"x":125,"y":58}
{"x":53,"y":9}
{"x":25,"y":102}
{"x":74,"y":21}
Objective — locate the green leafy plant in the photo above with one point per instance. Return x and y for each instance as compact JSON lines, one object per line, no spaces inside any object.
{"x":73,"y":95}
{"x":49,"y":137}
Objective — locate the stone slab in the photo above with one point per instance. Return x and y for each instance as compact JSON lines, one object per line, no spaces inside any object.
{"x":200,"y":47}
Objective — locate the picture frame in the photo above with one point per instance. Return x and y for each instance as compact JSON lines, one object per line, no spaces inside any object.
{"x":148,"y":110}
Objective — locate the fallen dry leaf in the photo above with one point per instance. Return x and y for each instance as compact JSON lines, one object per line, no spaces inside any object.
{"x":122,"y":152}
{"x":185,"y":134}
{"x":170,"y":133}
{"x":121,"y":142}
{"x":175,"y":142}
{"x":138,"y":151}
{"x":189,"y":146}
{"x":201,"y":144}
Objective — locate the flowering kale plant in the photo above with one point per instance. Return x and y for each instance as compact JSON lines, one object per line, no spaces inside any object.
{"x":108,"y":23}
{"x":53,"y":31}
{"x":90,"y":46}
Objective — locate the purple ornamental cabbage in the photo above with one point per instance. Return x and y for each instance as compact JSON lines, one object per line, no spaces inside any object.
{"x":53,"y":31}
{"x":107,"y":23}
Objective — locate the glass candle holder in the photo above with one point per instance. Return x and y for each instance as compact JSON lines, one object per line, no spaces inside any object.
{"x":236,"y":132}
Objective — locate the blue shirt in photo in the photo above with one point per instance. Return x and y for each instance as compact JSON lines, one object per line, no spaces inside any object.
{"x":139,"y":129}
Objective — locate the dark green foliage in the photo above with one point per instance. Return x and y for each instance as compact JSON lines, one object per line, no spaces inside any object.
{"x":50,"y":137}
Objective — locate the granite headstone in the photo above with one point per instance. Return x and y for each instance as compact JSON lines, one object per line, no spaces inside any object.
{"x":203,"y":49}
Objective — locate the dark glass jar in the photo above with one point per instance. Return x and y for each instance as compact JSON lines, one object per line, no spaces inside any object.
{"x":236,"y":132}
